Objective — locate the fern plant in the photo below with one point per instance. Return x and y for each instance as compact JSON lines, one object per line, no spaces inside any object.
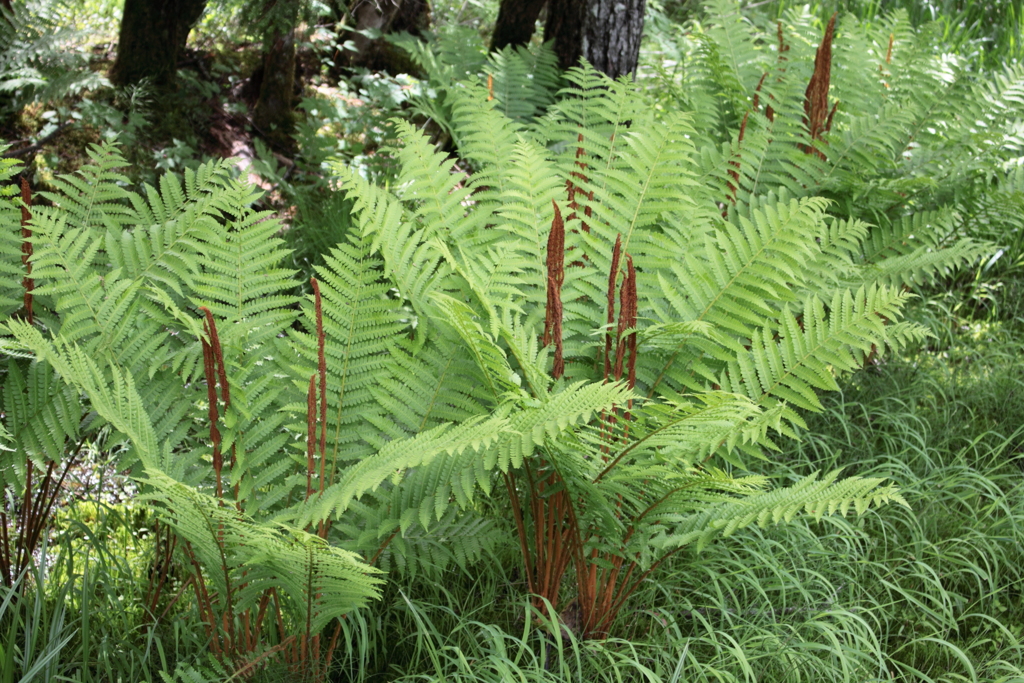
{"x":35,"y":64}
{"x":905,"y":140}
{"x":112,"y":301}
{"x":607,"y":319}
{"x":585,"y":268}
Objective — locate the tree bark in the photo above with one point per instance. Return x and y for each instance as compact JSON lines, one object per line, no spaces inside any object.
{"x":516,"y":22}
{"x":612,"y":33}
{"x":565,"y":28}
{"x":273,"y":114}
{"x":152,"y":34}
{"x":606,"y":32}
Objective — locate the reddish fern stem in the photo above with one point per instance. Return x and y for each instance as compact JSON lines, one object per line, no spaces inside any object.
{"x":783,"y":49}
{"x":613,"y":276}
{"x":632,"y":303}
{"x":217,"y":367}
{"x":572,"y":188}
{"x":756,"y":104}
{"x":734,"y":163}
{"x":321,"y":359}
{"x":608,"y":420}
{"x":26,"y":248}
{"x":831,"y":114}
{"x":310,"y":434}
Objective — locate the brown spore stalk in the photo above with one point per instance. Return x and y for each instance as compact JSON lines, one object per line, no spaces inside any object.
{"x":213,"y":367}
{"x":817,"y":116}
{"x":613,"y":276}
{"x":556,"y":276}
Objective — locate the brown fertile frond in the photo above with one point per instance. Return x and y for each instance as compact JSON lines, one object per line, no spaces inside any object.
{"x":783,"y":48}
{"x":556,"y":276}
{"x":26,"y":248}
{"x":555,"y":314}
{"x":831,"y":114}
{"x":632,"y":306}
{"x":571,"y":187}
{"x":218,"y":355}
{"x":613,"y":276}
{"x":888,"y":53}
{"x":210,"y":371}
{"x":816,"y":97}
{"x":627,"y":318}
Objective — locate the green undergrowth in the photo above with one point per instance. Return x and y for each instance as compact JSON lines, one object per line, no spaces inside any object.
{"x":932,"y":593}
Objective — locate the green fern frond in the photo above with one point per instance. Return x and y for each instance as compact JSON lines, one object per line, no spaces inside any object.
{"x":523,"y":82}
{"x":411,"y":261}
{"x":811,"y":496}
{"x":485,"y":137}
{"x":385,"y":531}
{"x":738,"y":52}
{"x":243,"y":559}
{"x":396,"y":457}
{"x":43,"y":416}
{"x":433,"y":193}
{"x":530,"y":187}
{"x":494,"y":370}
{"x":94,"y":197}
{"x":362,"y":324}
{"x":428,"y":385}
{"x":241,"y":280}
{"x":11,"y":268}
{"x":113,"y":396}
{"x":592,"y":113}
{"x":811,"y":351}
{"x":162,"y":243}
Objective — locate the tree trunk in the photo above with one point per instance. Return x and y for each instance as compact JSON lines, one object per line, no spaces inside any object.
{"x":564,"y":27}
{"x":606,"y":32}
{"x":152,"y":34}
{"x":611,"y":35}
{"x":273,"y":114}
{"x":387,"y":16}
{"x":516,"y":21}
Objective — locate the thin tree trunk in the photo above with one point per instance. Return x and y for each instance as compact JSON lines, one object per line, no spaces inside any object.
{"x":152,"y":34}
{"x":565,"y":27}
{"x":273,"y":114}
{"x":516,"y":22}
